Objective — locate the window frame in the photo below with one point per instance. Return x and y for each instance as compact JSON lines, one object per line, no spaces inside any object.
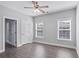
{"x":36,"y":29}
{"x":58,"y":22}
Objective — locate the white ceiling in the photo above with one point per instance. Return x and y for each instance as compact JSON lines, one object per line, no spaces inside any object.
{"x":53,"y":6}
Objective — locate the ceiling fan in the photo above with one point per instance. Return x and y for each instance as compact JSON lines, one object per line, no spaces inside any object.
{"x":37,"y":8}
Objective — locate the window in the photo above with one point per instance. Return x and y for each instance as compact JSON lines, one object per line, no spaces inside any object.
{"x":64,"y":30}
{"x":39,"y":30}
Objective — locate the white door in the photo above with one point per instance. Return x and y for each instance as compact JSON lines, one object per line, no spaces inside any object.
{"x":12,"y":33}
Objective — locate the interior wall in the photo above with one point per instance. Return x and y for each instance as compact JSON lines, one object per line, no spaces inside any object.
{"x":7,"y":12}
{"x":50,"y":28}
{"x":77,"y":29}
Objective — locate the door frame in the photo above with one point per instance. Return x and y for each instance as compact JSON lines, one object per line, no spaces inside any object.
{"x":5,"y":17}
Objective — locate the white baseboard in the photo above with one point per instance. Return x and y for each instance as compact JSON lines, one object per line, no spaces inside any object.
{"x":77,"y":50}
{"x":19,"y":45}
{"x":23,"y":44}
{"x":1,"y":51}
{"x":56,"y":44}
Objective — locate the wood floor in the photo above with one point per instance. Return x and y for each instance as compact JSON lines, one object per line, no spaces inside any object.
{"x":38,"y":50}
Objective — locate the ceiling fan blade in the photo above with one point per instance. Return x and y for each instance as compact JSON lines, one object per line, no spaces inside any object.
{"x":41,"y":10}
{"x":28,"y":7}
{"x":35,"y":3}
{"x":37,"y":8}
{"x":43,"y":6}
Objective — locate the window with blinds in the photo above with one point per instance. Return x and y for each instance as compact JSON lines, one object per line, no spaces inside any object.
{"x":39,"y":30}
{"x":64,"y":30}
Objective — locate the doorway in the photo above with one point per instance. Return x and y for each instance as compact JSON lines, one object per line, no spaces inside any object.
{"x":10,"y":33}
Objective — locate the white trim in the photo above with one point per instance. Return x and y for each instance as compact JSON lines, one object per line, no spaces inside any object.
{"x":23,"y":44}
{"x":58,"y":22}
{"x":1,"y":51}
{"x":54,"y":44}
{"x":4,"y":28}
{"x":3,"y":33}
{"x":19,"y":45}
{"x":77,"y":50}
{"x":36,"y":29}
{"x":10,"y":17}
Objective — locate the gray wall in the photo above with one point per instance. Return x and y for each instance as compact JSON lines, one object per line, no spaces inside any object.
{"x":50,"y":28}
{"x":7,"y":12}
{"x":77,"y":29}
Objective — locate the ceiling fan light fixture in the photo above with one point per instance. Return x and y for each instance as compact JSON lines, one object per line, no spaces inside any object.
{"x":37,"y":7}
{"x":36,"y":10}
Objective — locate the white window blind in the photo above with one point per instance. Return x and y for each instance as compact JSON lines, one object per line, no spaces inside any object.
{"x":39,"y":30}
{"x":64,"y":30}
